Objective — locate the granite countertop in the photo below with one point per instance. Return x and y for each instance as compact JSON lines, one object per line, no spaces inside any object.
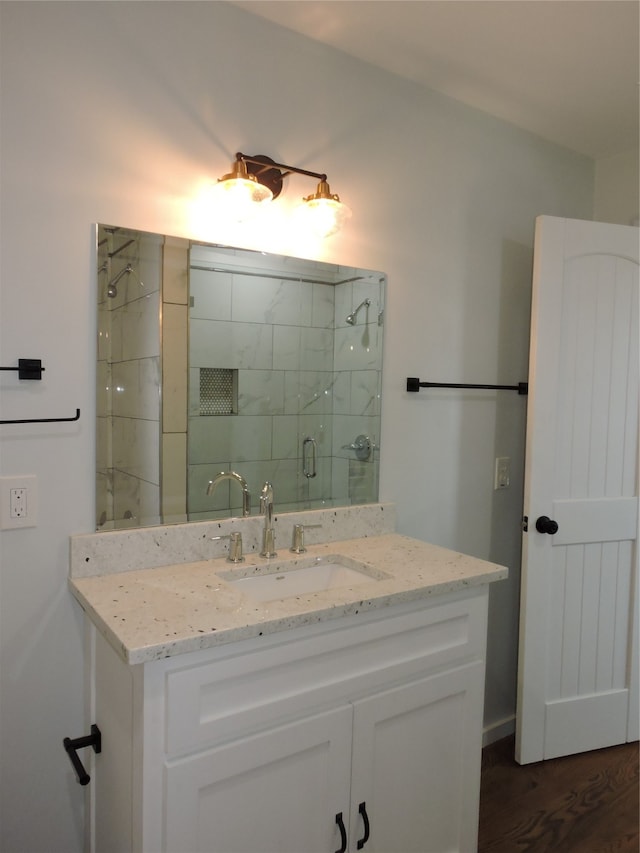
{"x":155,"y":613}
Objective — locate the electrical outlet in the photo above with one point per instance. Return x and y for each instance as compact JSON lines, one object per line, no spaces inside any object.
{"x":502,"y":475}
{"x":18,"y":501}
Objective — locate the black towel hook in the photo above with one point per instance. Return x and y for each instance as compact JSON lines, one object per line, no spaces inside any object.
{"x":71,"y":747}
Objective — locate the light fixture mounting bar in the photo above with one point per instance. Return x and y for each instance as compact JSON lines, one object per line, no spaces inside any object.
{"x":271,"y":174}
{"x":261,"y":160}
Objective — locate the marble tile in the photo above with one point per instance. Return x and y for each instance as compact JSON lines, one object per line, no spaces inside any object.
{"x":230,"y":345}
{"x":229,"y":437}
{"x":104,"y":334}
{"x":149,"y":501}
{"x":210,"y":294}
{"x":318,"y":427}
{"x":147,"y":273}
{"x":323,"y":306}
{"x":365,"y":393}
{"x":136,"y":389}
{"x":103,"y":389}
{"x":139,"y":328}
{"x":103,"y":443}
{"x":340,"y":480}
{"x":342,"y":393}
{"x":308,"y":391}
{"x":357,"y":347}
{"x":136,"y":448}
{"x":302,"y":349}
{"x":285,"y":444}
{"x":274,"y":301}
{"x":261,"y":392}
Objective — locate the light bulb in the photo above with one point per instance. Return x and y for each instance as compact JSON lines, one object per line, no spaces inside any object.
{"x":323,"y":213}
{"x":239,"y":194}
{"x":324,"y":216}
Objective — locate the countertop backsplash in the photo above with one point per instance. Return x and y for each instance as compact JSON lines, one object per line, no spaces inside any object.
{"x":93,"y":554}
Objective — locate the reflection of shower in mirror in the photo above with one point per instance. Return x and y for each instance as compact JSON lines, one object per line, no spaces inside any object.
{"x":351,"y":319}
{"x":112,"y":290}
{"x":231,"y":360}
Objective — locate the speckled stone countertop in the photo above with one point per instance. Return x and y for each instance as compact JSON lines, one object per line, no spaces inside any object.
{"x":152,"y":613}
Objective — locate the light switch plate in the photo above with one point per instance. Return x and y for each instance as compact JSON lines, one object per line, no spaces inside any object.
{"x":18,"y":501}
{"x":502,"y":476}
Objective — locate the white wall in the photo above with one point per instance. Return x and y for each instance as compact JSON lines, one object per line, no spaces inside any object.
{"x":118,"y":112}
{"x":617,"y":187}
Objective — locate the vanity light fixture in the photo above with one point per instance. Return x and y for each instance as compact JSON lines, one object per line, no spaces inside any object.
{"x":255,"y":180}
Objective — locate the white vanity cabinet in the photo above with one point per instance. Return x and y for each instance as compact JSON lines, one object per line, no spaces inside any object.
{"x":258,"y":746}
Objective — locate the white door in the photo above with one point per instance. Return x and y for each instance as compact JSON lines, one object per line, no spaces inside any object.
{"x":578,"y":667}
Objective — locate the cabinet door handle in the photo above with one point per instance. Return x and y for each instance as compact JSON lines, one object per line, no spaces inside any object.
{"x":362,"y":808}
{"x":343,"y":834}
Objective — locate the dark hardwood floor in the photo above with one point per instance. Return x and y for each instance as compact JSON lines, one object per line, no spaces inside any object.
{"x":585,"y":803}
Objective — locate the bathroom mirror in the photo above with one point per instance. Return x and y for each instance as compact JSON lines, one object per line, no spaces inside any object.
{"x":214,"y":359}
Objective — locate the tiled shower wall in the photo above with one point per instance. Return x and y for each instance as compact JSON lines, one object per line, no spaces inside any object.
{"x":299,"y":371}
{"x":128,"y":398}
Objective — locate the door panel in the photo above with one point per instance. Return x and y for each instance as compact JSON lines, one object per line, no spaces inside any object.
{"x":416,"y":764}
{"x":607,"y":520}
{"x":578,"y":631}
{"x":274,"y":792}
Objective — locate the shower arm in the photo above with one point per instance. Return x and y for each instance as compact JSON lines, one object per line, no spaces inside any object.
{"x":125,"y":271}
{"x":351,"y":319}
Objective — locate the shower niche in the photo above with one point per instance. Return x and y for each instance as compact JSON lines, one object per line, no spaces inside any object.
{"x":215,"y":359}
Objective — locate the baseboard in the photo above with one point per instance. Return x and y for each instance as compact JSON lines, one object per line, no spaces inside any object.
{"x":499,"y":730}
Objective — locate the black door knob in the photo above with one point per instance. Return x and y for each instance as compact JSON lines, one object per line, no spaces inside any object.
{"x":546,"y":525}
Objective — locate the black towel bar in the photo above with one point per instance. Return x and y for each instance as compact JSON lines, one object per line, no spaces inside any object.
{"x":414,"y":384}
{"x":76,"y":417}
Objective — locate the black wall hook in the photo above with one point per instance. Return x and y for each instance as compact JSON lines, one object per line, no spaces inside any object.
{"x":71,"y":747}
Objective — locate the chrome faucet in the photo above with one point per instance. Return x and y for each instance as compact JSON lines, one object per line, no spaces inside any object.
{"x":235,"y":546}
{"x":268,"y":534}
{"x":297,"y":543}
{"x":231,"y":475}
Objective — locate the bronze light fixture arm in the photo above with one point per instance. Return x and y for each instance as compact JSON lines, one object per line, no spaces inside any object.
{"x":267,"y":163}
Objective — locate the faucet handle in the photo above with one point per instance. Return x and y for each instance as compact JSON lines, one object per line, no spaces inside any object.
{"x":297,"y":544}
{"x":235,"y":546}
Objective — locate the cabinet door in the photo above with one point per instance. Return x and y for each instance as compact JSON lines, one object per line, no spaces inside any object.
{"x":275,"y":792}
{"x":416,"y":765}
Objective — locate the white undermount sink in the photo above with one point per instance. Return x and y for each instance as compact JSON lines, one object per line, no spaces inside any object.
{"x":300,"y":576}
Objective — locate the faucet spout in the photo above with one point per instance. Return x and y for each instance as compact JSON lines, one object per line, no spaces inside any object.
{"x":232,"y":475}
{"x":268,"y":534}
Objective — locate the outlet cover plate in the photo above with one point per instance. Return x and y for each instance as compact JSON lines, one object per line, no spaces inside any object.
{"x":27,"y":484}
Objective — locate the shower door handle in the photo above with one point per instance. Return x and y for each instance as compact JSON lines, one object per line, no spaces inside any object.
{"x":309,"y":443}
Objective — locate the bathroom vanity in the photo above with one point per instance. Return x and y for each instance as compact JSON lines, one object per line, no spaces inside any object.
{"x":340,"y":718}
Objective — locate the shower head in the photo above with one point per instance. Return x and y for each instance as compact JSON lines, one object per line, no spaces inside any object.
{"x":112,"y":290}
{"x":351,"y":319}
